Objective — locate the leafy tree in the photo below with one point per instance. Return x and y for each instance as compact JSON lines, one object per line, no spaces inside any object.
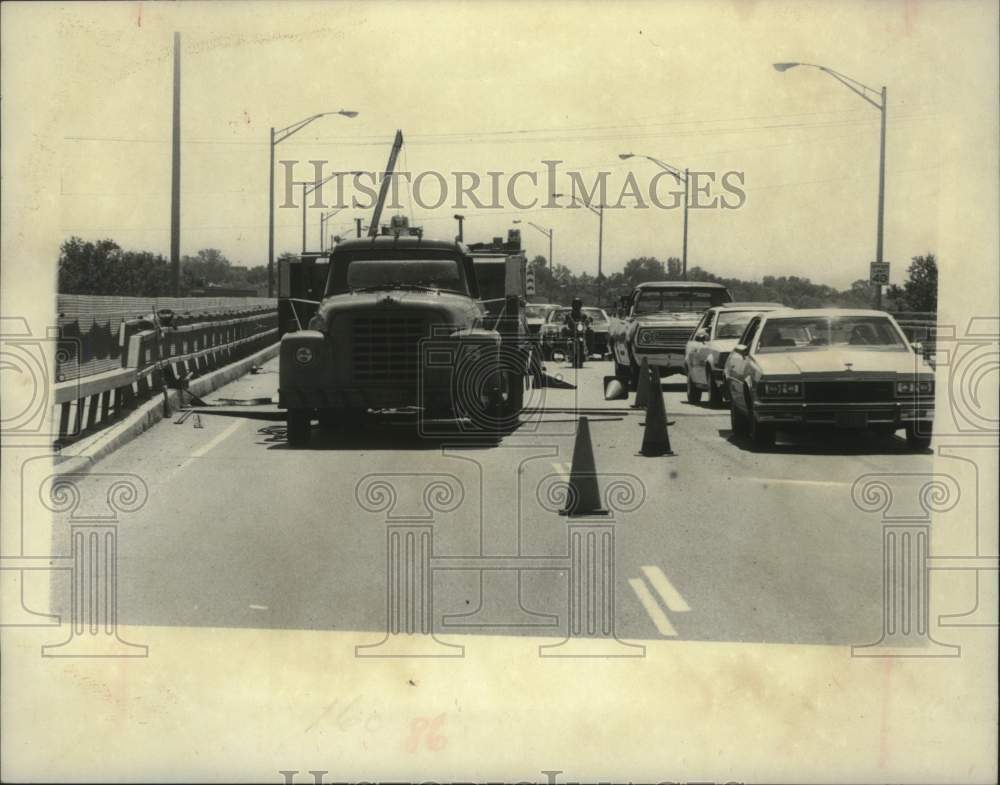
{"x":920,"y":288}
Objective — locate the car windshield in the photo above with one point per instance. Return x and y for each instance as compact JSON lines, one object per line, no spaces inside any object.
{"x":596,"y":314}
{"x":679,"y":300}
{"x":537,"y":311}
{"x":406,"y":273}
{"x":826,"y":332}
{"x":731,"y":324}
{"x":558,"y":315}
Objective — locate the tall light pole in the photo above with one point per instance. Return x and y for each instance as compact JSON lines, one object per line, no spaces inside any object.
{"x":684,"y":177}
{"x":322,"y":226}
{"x":308,"y":188}
{"x":276,"y":138}
{"x":599,"y":212}
{"x":461,"y":224}
{"x":547,"y":232}
{"x":865,"y":92}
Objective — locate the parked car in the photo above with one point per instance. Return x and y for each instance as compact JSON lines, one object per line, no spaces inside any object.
{"x":552,"y":332}
{"x":661,"y":318}
{"x":535,"y":313}
{"x":705,"y":356}
{"x":849,"y":369}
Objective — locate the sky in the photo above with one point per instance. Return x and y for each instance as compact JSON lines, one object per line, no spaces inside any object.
{"x":480,"y":87}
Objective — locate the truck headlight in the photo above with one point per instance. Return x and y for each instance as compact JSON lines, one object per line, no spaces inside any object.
{"x":644,"y":338}
{"x":782,"y":389}
{"x":303,"y":355}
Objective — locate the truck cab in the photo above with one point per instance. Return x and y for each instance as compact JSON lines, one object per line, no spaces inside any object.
{"x":401,"y":323}
{"x":660,"y":319}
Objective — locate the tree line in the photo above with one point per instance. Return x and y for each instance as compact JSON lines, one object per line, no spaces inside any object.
{"x":103,"y":267}
{"x":558,"y":284}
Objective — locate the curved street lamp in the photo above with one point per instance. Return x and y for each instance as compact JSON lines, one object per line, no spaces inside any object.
{"x":276,"y":138}
{"x":866,"y":93}
{"x":681,"y":177}
{"x":547,"y":232}
{"x":599,"y":212}
{"x":307,"y":188}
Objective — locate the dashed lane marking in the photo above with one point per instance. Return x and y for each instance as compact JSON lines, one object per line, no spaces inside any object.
{"x":671,"y":597}
{"x":656,"y":614}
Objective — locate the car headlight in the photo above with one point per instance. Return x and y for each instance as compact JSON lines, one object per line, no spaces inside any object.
{"x":303,"y":355}
{"x":782,"y":389}
{"x":925,"y":387}
{"x":644,"y":338}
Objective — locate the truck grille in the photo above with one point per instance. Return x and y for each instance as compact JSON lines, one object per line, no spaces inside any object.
{"x":849,"y":392}
{"x":386,"y":348}
{"x":665,"y":336}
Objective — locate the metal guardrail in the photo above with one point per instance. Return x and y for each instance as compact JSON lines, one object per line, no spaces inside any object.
{"x":156,"y":357}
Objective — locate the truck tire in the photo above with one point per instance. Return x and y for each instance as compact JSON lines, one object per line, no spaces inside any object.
{"x":298,"y":422}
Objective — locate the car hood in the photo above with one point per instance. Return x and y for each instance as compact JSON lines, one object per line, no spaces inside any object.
{"x":723,"y":344}
{"x":818,"y":361}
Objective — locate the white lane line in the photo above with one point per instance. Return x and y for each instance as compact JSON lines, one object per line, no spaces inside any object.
{"x":780,"y":481}
{"x":218,"y":439}
{"x":671,"y":597}
{"x":259,"y":608}
{"x":656,"y":614}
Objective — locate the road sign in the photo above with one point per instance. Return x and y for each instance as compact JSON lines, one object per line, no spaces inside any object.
{"x":879,"y":275}
{"x":529,"y":281}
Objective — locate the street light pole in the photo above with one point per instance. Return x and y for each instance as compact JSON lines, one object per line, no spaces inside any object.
{"x":461,"y":222}
{"x":599,"y":212}
{"x":686,"y":177}
{"x":276,"y":138}
{"x":308,"y":188}
{"x":881,"y":201}
{"x":863,"y":90}
{"x":547,"y":232}
{"x":600,"y":253}
{"x":684,"y":252}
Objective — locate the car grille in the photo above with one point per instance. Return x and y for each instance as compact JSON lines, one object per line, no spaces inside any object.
{"x":387,"y":348}
{"x":665,"y":336}
{"x":849,"y":392}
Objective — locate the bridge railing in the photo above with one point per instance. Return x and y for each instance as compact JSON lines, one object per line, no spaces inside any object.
{"x":100,"y":379}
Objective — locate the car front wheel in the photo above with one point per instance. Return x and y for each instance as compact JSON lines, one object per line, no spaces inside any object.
{"x":693,"y":393}
{"x":714,"y":391}
{"x":737,"y":421}
{"x":918,"y":437}
{"x":761,"y":434}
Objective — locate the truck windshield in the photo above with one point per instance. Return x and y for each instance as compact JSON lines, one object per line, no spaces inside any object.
{"x":443,"y":274}
{"x":679,"y":300}
{"x":827,"y":332}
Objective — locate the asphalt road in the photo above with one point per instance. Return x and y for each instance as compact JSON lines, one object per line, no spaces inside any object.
{"x":721,"y":543}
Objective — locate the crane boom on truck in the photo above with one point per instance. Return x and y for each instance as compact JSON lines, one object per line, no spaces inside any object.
{"x":397,"y":143}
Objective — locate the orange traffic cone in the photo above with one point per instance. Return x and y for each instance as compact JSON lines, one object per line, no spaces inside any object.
{"x":656,"y":436}
{"x":642,"y":388}
{"x":583,"y":497}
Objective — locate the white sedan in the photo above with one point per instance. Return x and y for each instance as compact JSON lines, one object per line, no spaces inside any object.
{"x":849,"y":369}
{"x":714,"y":338}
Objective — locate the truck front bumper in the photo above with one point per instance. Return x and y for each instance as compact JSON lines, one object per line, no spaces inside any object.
{"x":657,"y":357}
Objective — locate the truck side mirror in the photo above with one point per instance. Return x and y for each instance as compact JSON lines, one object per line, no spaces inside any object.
{"x":741,"y":349}
{"x":701,"y":336}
